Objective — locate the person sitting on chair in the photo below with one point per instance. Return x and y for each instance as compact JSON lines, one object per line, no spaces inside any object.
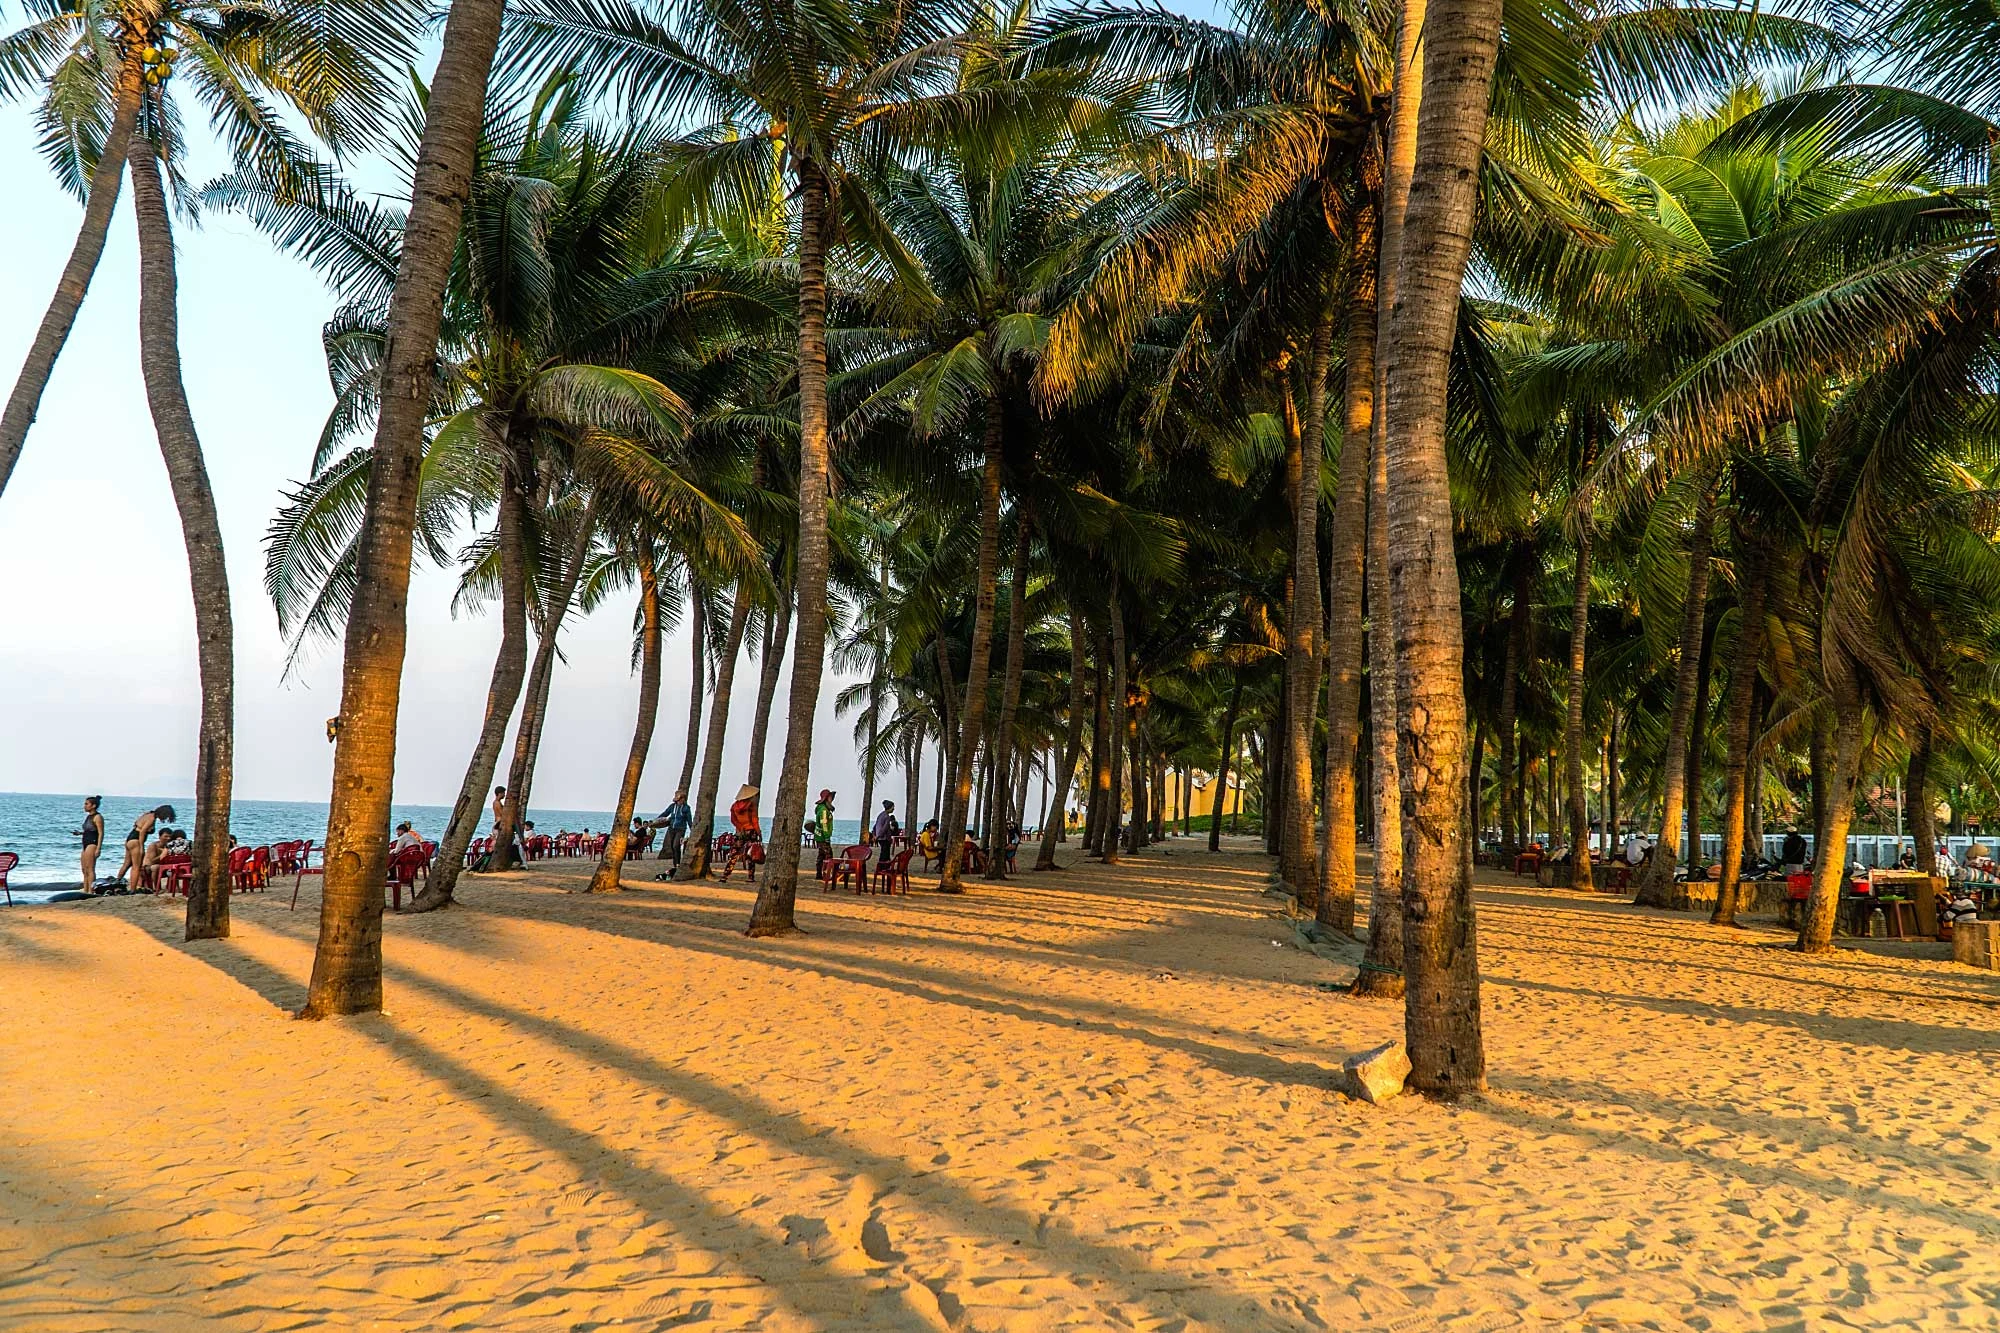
{"x":927,"y":844}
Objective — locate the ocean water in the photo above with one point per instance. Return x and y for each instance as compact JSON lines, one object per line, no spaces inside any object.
{"x":39,"y":827}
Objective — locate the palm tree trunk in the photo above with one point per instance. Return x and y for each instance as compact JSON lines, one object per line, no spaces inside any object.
{"x":1440,"y":947}
{"x":913,"y":776}
{"x":1114,"y":797}
{"x":1382,"y":967}
{"x":1065,"y":772}
{"x":201,"y":532}
{"x":1579,"y":632}
{"x":510,"y":668}
{"x":1010,"y":684}
{"x":1344,"y":594}
{"x":701,"y":834}
{"x":1657,"y":887}
{"x":1100,"y":758}
{"x":947,"y":732}
{"x":1830,"y":856}
{"x":1510,"y":697}
{"x":1697,"y":750}
{"x":541,"y":677}
{"x":1381,"y":974}
{"x":612,"y":865}
{"x":777,"y":633}
{"x":779,"y":888}
{"x":100,"y":203}
{"x":1923,"y":818}
{"x":1223,"y":754}
{"x":1614,"y":845}
{"x":972,"y":723}
{"x":1305,"y":455}
{"x":1738,"y":707}
{"x":698,"y":675}
{"x":347,"y":964}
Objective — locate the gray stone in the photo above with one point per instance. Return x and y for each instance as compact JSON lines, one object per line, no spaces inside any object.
{"x":1377,"y":1075}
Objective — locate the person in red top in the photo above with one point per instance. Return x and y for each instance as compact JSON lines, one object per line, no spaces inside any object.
{"x":748,"y":848}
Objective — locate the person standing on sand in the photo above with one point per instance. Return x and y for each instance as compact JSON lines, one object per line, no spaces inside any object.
{"x":748,"y":846}
{"x":135,"y":845}
{"x":92,"y":834}
{"x":676,"y":819}
{"x":822,"y":827}
{"x":885,"y":833}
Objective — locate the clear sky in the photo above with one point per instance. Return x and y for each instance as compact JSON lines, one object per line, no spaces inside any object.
{"x":97,"y":672}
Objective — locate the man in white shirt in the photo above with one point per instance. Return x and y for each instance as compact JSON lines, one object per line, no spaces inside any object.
{"x":1635,"y":848}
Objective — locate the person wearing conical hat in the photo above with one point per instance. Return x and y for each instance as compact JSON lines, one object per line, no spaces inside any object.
{"x":822,"y":828}
{"x":748,"y":848}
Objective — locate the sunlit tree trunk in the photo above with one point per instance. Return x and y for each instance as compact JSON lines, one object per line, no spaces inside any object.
{"x":701,"y":834}
{"x":973,"y":722}
{"x":347,"y":964}
{"x":1065,"y":771}
{"x":1344,"y":594}
{"x":1305,"y":450}
{"x":612,"y":865}
{"x":1738,"y":707}
{"x":201,"y":533}
{"x":1094,"y":820}
{"x":778,"y":889}
{"x":1512,"y":815}
{"x":777,"y":634}
{"x":100,"y":203}
{"x":697,"y":678}
{"x":510,"y":668}
{"x":1579,"y":632}
{"x":1114,"y":797}
{"x":1844,"y":767}
{"x":1010,"y":690}
{"x":541,"y":677}
{"x":1440,"y":945}
{"x":1223,"y":754}
{"x":1657,"y":887}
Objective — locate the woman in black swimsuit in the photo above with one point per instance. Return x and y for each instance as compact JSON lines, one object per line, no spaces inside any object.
{"x":92,"y":834}
{"x":135,"y":844}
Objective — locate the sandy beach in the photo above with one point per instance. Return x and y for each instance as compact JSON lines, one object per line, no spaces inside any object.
{"x":1093,"y":1099}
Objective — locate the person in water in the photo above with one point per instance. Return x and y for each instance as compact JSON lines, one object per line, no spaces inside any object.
{"x":135,"y":844}
{"x":92,"y":834}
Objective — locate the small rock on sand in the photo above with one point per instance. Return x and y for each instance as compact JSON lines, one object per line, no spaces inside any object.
{"x":1377,"y":1075}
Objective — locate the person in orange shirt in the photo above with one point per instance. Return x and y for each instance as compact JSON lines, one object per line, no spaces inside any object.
{"x":748,"y":849}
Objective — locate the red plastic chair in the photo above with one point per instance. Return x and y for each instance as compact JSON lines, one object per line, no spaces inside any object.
{"x":897,"y":871}
{"x":303,"y":867}
{"x":404,"y":867}
{"x":239,"y":868}
{"x":8,"y":860}
{"x":851,"y":864}
{"x":260,"y":868}
{"x":172,"y":875}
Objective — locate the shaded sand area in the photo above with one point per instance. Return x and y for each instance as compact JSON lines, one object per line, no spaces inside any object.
{"x":1098,"y":1099}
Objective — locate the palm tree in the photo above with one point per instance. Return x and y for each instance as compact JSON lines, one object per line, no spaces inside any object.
{"x":1440,"y":958}
{"x":605,"y":879}
{"x":160,"y":362}
{"x":106,"y":76}
{"x":96,"y":68}
{"x":347,"y":963}
{"x":830,"y":95}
